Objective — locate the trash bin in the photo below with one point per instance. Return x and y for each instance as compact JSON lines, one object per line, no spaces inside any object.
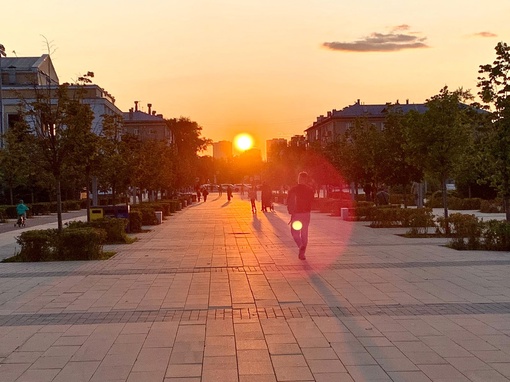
{"x":159,"y":216}
{"x":95,"y":213}
{"x":116,"y":211}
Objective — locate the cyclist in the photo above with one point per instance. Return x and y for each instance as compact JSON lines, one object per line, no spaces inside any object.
{"x":21,"y":210}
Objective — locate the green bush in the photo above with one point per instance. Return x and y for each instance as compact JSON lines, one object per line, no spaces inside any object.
{"x":135,"y":221}
{"x":37,"y":245}
{"x":465,"y":230}
{"x":84,"y":243}
{"x":491,"y":206}
{"x":454,"y":202}
{"x":71,"y":205}
{"x":115,"y":228}
{"x":148,"y":214}
{"x":80,"y":244}
{"x":419,"y":219}
{"x":41,"y":208}
{"x":496,"y":235}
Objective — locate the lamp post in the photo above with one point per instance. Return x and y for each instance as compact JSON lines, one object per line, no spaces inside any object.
{"x":2,"y":54}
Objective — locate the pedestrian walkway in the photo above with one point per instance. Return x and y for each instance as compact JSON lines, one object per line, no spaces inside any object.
{"x":218,"y":294}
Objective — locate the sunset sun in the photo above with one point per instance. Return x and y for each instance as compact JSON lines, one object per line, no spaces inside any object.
{"x":243,"y":142}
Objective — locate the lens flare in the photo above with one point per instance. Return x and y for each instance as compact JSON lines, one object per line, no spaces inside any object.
{"x":297,"y":225}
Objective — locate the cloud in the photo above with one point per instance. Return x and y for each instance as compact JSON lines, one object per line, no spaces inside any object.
{"x":381,"y":42}
{"x":484,"y":34}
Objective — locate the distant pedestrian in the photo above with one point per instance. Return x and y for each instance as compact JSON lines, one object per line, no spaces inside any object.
{"x":299,"y":206}
{"x":220,"y":190}
{"x":266,"y":196}
{"x":252,"y":194}
{"x":382,"y":197}
{"x":205,"y":193}
{"x":229,"y":192}
{"x":199,"y":194}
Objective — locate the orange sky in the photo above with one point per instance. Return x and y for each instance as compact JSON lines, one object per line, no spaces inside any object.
{"x":264,"y":67}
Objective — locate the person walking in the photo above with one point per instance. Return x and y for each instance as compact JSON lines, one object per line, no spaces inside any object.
{"x":205,"y":193}
{"x":299,"y":206}
{"x":229,"y":193}
{"x":252,"y":194}
{"x":266,"y":196}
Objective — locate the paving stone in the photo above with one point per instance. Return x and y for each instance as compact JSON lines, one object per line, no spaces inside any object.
{"x":216,"y":294}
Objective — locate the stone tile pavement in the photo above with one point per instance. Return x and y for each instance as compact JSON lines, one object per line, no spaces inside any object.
{"x":218,"y":294}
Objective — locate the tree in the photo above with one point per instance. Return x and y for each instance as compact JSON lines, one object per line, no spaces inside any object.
{"x":188,"y":142}
{"x":59,"y":124}
{"x":397,"y":157}
{"x":439,"y":137}
{"x":114,"y":171}
{"x":494,"y":84}
{"x":15,"y":158}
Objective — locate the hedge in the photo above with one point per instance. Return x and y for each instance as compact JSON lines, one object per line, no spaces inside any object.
{"x":71,"y":244}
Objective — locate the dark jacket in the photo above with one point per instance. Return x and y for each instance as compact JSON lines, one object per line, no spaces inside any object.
{"x":300,"y":199}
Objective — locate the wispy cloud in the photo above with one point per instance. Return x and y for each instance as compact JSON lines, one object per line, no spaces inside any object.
{"x":393,"y":41}
{"x":484,"y":34}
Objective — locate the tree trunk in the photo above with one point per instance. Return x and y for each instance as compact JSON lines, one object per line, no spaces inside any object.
{"x":59,"y":205}
{"x":11,"y":194}
{"x":445,"y":205}
{"x":445,"y":198}
{"x":506,"y":205}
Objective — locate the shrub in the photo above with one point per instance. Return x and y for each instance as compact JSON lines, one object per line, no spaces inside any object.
{"x":491,"y":206}
{"x":148,"y":214}
{"x":461,"y":227}
{"x":36,"y":245}
{"x":84,"y":243}
{"x":71,"y":205}
{"x":80,"y":244}
{"x":496,"y":235}
{"x":135,"y":221}
{"x":115,"y":228}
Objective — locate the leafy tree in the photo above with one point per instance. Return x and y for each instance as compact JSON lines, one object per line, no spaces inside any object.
{"x":397,"y":157}
{"x":15,"y":158}
{"x":114,"y":170}
{"x":440,"y":135}
{"x":188,"y":142}
{"x":494,"y":84}
{"x":59,"y":123}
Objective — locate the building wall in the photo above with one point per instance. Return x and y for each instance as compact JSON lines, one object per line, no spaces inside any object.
{"x":222,"y":150}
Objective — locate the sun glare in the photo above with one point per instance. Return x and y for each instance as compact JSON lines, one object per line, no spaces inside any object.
{"x":243,"y":141}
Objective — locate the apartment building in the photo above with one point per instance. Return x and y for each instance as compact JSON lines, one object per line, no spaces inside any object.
{"x":327,"y":128}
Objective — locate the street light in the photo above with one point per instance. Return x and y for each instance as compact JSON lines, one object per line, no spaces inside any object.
{"x":2,"y":54}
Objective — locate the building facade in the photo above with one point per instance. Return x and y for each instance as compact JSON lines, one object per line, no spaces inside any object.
{"x":23,"y":78}
{"x":335,"y":123}
{"x":146,"y":125}
{"x":274,"y":147}
{"x":222,"y":150}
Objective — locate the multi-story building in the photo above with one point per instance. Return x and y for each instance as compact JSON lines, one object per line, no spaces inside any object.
{"x":297,"y":141}
{"x":274,"y":147}
{"x":22,"y":78}
{"x":146,"y":125}
{"x":336,"y":122}
{"x":222,"y":150}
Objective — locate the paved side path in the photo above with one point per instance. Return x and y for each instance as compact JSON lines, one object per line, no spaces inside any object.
{"x":217,"y":294}
{"x":9,"y":231}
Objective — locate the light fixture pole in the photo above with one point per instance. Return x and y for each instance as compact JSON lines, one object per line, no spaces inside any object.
{"x":2,"y":54}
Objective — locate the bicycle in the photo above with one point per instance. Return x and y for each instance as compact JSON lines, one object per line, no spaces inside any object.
{"x":21,"y":221}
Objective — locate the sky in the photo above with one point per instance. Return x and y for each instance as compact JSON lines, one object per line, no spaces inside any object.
{"x":263,"y":67}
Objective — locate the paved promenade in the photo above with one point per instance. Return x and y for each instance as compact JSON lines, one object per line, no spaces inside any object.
{"x":218,"y":294}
